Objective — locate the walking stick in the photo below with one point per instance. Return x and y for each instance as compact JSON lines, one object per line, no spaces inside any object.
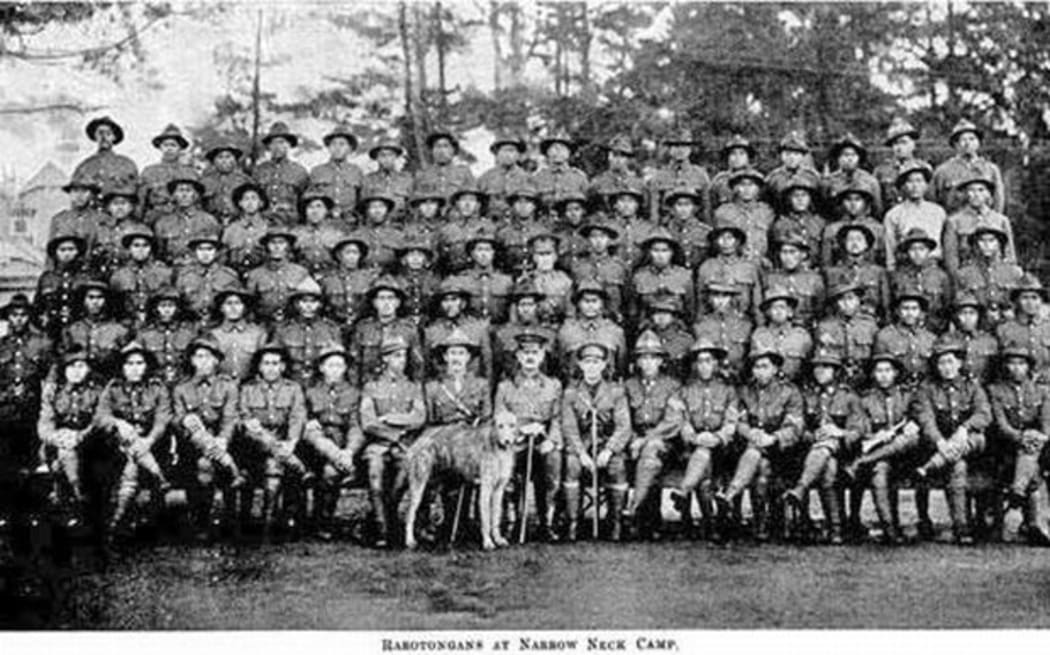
{"x":594,"y":473}
{"x":455,"y":518}
{"x":527,"y":483}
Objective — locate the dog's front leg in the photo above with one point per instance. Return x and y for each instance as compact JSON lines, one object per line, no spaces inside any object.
{"x":485,"y":502}
{"x":418,"y":477}
{"x":499,"y":487}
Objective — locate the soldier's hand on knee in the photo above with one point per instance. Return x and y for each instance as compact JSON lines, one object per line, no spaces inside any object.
{"x":545,"y":447}
{"x":603,"y":458}
{"x":707,"y":440}
{"x":586,"y":461}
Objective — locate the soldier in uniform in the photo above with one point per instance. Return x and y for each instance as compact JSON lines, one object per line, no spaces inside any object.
{"x":385,"y":298}
{"x":307,"y":332}
{"x":624,"y":204}
{"x":96,"y":331}
{"x":507,"y":173}
{"x":555,"y":285}
{"x":660,"y":275}
{"x":344,"y":286}
{"x":770,"y":427}
{"x":711,"y":411}
{"x":106,"y":168}
{"x":339,"y":178}
{"x":738,"y":154}
{"x":451,"y":301}
{"x":1021,"y":410}
{"x":282,"y":178}
{"x":913,"y":212}
{"x":387,"y":179}
{"x":967,"y":218}
{"x":665,"y":320}
{"x":679,"y":173}
{"x":272,"y":283}
{"x":272,"y":417}
{"x":443,"y":174}
{"x":591,"y":326}
{"x":855,"y":201}
{"x":794,"y":154}
{"x":620,"y":172}
{"x":569,"y":214}
{"x":333,"y":408}
{"x":525,"y":301}
{"x":238,"y":337}
{"x":221,"y":180}
{"x":747,"y":212}
{"x":966,"y":163}
{"x":205,"y":413}
{"x":166,"y":336}
{"x":488,"y":287}
{"x":953,"y":414}
{"x":981,"y":345}
{"x":392,"y":411}
{"x":684,"y":223}
{"x":901,"y":138}
{"x":243,"y":237}
{"x":656,"y":419}
{"x":136,"y":408}
{"x":726,"y":327}
{"x":457,"y":395}
{"x":82,"y":218}
{"x":791,"y":271}
{"x":383,"y":236}
{"x":800,"y":217}
{"x":988,"y":275}
{"x":850,"y":159}
{"x":1030,"y":327}
{"x":834,"y":424}
{"x":730,"y":266}
{"x":848,"y":331}
{"x":518,"y":226}
{"x":599,"y":263}
{"x":453,"y":235}
{"x":907,"y":339}
{"x":198,"y":281}
{"x":558,"y":179}
{"x":134,"y":283}
{"x":186,"y":220}
{"x":155,"y":199}
{"x":535,"y":400}
{"x":107,"y":253}
{"x":596,"y":426}
{"x":856,"y":266}
{"x":891,"y":435}
{"x":415,"y":261}
{"x":922,"y":274}
{"x":781,"y":335}
{"x":55,"y":298}
{"x":25,"y":358}
{"x":318,"y":232}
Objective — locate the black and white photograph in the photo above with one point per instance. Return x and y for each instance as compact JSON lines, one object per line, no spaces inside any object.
{"x":523,"y":325}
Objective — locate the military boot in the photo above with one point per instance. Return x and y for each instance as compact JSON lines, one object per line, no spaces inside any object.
{"x":572,"y":513}
{"x":616,"y":506}
{"x":829,"y":498}
{"x":379,"y":512}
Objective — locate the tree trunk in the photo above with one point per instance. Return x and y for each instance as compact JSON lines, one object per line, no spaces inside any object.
{"x":517,"y":46}
{"x":585,"y":49}
{"x":411,"y":97}
{"x":497,"y":47}
{"x":439,"y":38}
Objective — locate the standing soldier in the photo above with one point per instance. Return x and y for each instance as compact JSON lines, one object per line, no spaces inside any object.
{"x":619,"y":174}
{"x":968,"y":217}
{"x":82,"y":217}
{"x":558,"y":179}
{"x":591,"y":326}
{"x":555,"y":285}
{"x":166,"y":336}
{"x":452,"y":300}
{"x":242,"y":238}
{"x":1021,"y":409}
{"x":96,"y":331}
{"x":453,"y":235}
{"x":339,"y":178}
{"x":855,"y":201}
{"x":186,"y":220}
{"x":344,"y":286}
{"x":272,"y":283}
{"x":318,"y":231}
{"x":535,"y":401}
{"x":781,"y":335}
{"x":625,"y":208}
{"x":660,"y":275}
{"x":392,"y":412}
{"x":738,"y":154}
{"x":424,"y":215}
{"x":988,"y":275}
{"x":791,"y":271}
{"x":238,"y":337}
{"x":726,"y":327}
{"x":507,"y":173}
{"x":154,"y":197}
{"x":385,"y":299}
{"x":377,"y":211}
{"x":665,"y":320}
{"x":415,"y":261}
{"x":198,"y":281}
{"x":25,"y":358}
{"x":106,"y":168}
{"x":518,"y":226}
{"x":770,"y":427}
{"x":443,"y":174}
{"x":656,"y":419}
{"x":907,"y":339}
{"x":525,"y":301}
{"x":679,"y":173}
{"x":922,"y":274}
{"x":222,"y":178}
{"x":55,"y":298}
{"x":135,"y":282}
{"x":387,"y":179}
{"x":856,"y":266}
{"x":953,"y":413}
{"x":982,"y":347}
{"x":850,"y":159}
{"x":684,"y":223}
{"x":488,"y":288}
{"x":966,"y":163}
{"x":913,"y":212}
{"x":307,"y":332}
{"x":730,"y":266}
{"x":596,"y":425}
{"x":569,"y":214}
{"x":1030,"y":328}
{"x":205,"y":416}
{"x":794,"y":155}
{"x":599,"y":263}
{"x":848,"y":331}
{"x":799,"y":216}
{"x":901,"y":138}
{"x":834,"y":424}
{"x":108,"y":254}
{"x":281,"y":178}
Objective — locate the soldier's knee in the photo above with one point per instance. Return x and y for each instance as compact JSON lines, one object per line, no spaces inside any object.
{"x":880,"y":475}
{"x":572,"y":468}
{"x":273,"y":483}
{"x":617,"y":468}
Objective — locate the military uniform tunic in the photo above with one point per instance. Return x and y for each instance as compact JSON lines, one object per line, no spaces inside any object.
{"x":174,"y":231}
{"x":776,"y":408}
{"x":55,"y":295}
{"x":754,"y":218}
{"x":806,"y":286}
{"x":981,"y":350}
{"x":340,"y":180}
{"x":390,"y":394}
{"x":314,"y":243}
{"x":279,"y":406}
{"x":872,"y":278}
{"x":489,"y":292}
{"x":25,"y":358}
{"x":656,"y":410}
{"x":960,"y":225}
{"x":168,"y":343}
{"x":273,"y":284}
{"x":949,"y":173}
{"x":370,"y":333}
{"x":943,"y":407}
{"x":284,"y":181}
{"x":607,"y":403}
{"x":553,"y":183}
{"x":912,"y":346}
{"x":649,"y":282}
{"x":305,"y":339}
{"x":337,"y":407}
{"x":213,"y":399}
{"x":154,"y":199}
{"x":108,"y":170}
{"x":1017,"y":407}
{"x":470,"y":404}
{"x":581,"y":331}
{"x":711,"y":406}
{"x":218,"y":193}
{"x":931,"y":282}
{"x":680,"y":176}
{"x":836,"y":405}
{"x":344,"y":293}
{"x":135,"y":283}
{"x":731,"y":331}
{"x":791,"y":341}
{"x":1032,"y":333}
{"x":808,"y":224}
{"x":396,"y":184}
{"x":533,"y":400}
{"x":498,"y":182}
{"x":990,"y":281}
{"x":101,"y":339}
{"x":477,"y":330}
{"x":444,"y":179}
{"x":241,"y":238}
{"x":145,"y":405}
{"x":738,"y":271}
{"x":611,"y":272}
{"x":239,"y":340}
{"x":852,"y":338}
{"x":198,"y":284}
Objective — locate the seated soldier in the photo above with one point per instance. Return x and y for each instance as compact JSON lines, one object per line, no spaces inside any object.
{"x":272,"y":416}
{"x":726,"y":327}
{"x":346,"y":284}
{"x":1022,"y":426}
{"x":856,"y":267}
{"x":306,"y":332}
{"x":488,"y":287}
{"x":770,"y":427}
{"x":377,"y":210}
{"x":136,"y":408}
{"x":451,"y":300}
{"x":392,"y":412}
{"x":728,"y":266}
{"x":911,"y":178}
{"x":56,"y":298}
{"x":415,"y":260}
{"x":569,"y":213}
{"x":963,"y":223}
{"x":834,"y":424}
{"x":791,"y":271}
{"x":205,"y":415}
{"x":664,"y":320}
{"x":685,"y":223}
{"x":710,"y":421}
{"x":624,"y":201}
{"x":988,"y":275}
{"x":455,"y":234}
{"x":855,"y":201}
{"x":891,"y":435}
{"x":917,"y":271}
{"x":333,"y":408}
{"x":534,"y":399}
{"x":243,"y":237}
{"x":590,"y":325}
{"x":596,"y":425}
{"x":99,"y":334}
{"x":660,"y":275}
{"x":518,"y":227}
{"x":385,"y":299}
{"x":166,"y":336}
{"x":599,"y":263}
{"x":25,"y":363}
{"x":981,"y":346}
{"x":909,"y":341}
{"x":221,"y":179}
{"x":781,"y":335}
{"x":800,"y":219}
{"x":107,"y":252}
{"x":656,"y":419}
{"x":555,"y":285}
{"x":199,"y":280}
{"x":953,"y":413}
{"x":238,"y":337}
{"x":185,"y":220}
{"x":525,"y":301}
{"x":748,"y":213}
{"x":848,"y":332}
{"x":135,"y":282}
{"x":273,"y":282}
{"x":1030,"y":326}
{"x":319,"y":231}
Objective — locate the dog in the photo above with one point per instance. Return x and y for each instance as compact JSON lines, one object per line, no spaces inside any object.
{"x":484,"y":453}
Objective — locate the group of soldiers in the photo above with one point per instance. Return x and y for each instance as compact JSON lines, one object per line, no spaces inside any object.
{"x":286,"y":333}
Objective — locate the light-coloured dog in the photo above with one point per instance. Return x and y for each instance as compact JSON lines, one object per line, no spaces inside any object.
{"x":484,"y":453}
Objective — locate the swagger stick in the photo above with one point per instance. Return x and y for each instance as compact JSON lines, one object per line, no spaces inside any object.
{"x":526,"y":483}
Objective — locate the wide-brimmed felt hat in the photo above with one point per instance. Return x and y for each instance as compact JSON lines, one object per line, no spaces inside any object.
{"x":277,"y":232}
{"x":342,"y":130}
{"x":315,"y":193}
{"x":241,"y":189}
{"x":356,"y":237}
{"x":947,"y":344}
{"x":224,"y":144}
{"x":900,"y":127}
{"x":377,"y":196}
{"x":602,"y":226}
{"x":763,"y":353}
{"x":58,"y":239}
{"x":917,"y":235}
{"x":914,"y":166}
{"x":589,"y":286}
{"x":437,"y":135}
{"x":186,"y":175}
{"x":976,"y":178}
{"x":981,"y":230}
{"x":794,"y":140}
{"x":681,"y":137}
{"x":507,"y":140}
{"x":826,"y":357}
{"x":778,"y":293}
{"x":173,"y":133}
{"x":738,"y":141}
{"x":126,"y":191}
{"x":561,"y":137}
{"x":280,"y":130}
{"x":962,"y":127}
{"x":848,"y":140}
{"x":307,"y":288}
{"x":95,"y":123}
{"x":736,"y":177}
{"x":385,"y":144}
{"x":18,"y":301}
{"x":207,"y":342}
{"x":457,"y":337}
{"x":649,"y":343}
{"x":704,"y":344}
{"x":82,"y":181}
{"x":1028,"y":284}
{"x":846,"y":228}
{"x":136,"y":230}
